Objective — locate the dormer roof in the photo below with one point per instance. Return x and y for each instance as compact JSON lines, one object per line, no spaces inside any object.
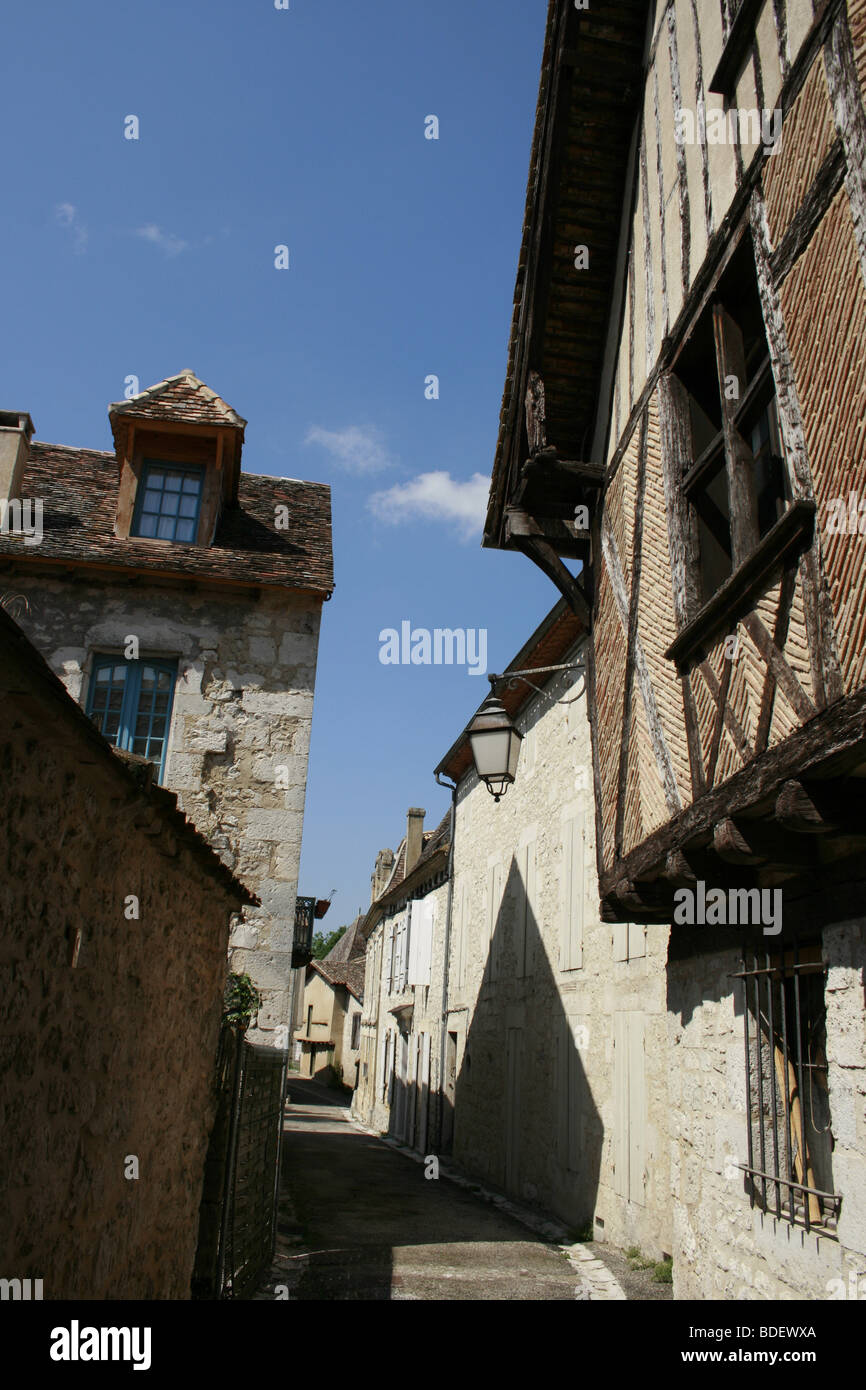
{"x":183,"y":398}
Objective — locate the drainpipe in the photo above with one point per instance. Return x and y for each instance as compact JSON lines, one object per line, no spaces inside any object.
{"x":443,"y":1028}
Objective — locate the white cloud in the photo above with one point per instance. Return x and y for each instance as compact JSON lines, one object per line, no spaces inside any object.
{"x":358,"y":448}
{"x":166,"y":241}
{"x":435,"y":497}
{"x":67,"y":215}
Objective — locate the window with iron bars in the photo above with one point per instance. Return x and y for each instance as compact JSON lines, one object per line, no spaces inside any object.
{"x":790,"y":1142}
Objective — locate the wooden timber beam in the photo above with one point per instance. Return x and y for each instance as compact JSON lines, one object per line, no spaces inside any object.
{"x":828,"y":746}
{"x":543,"y":554}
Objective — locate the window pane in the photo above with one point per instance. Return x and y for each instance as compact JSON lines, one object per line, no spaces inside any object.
{"x":770,"y":473}
{"x":714,"y":526}
{"x":169,"y":503}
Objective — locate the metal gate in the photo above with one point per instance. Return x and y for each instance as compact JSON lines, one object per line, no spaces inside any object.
{"x":237,"y":1229}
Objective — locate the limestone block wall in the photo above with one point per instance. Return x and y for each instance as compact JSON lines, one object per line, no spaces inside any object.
{"x":111,"y":1059}
{"x":559,"y":1020}
{"x":724,"y":1248}
{"x":239,"y":739}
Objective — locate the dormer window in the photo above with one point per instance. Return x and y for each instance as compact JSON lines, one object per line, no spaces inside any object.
{"x":168,"y":502}
{"x":178,"y":449}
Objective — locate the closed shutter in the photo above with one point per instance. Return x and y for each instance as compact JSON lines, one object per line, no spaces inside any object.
{"x":629,"y":1146}
{"x":527,"y":927}
{"x":421,"y":941}
{"x":571,"y":922}
{"x":494,"y":927}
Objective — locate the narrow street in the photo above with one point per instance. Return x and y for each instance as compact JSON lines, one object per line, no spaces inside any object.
{"x":359,"y":1220}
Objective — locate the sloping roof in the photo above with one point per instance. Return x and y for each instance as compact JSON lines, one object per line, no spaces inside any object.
{"x":25,"y":677}
{"x":350,"y":944}
{"x":591,"y":81}
{"x":78,"y":488}
{"x":345,"y":974}
{"x":181,"y":397}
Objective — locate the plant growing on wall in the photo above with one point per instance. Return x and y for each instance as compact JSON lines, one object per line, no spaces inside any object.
{"x":241,"y":1000}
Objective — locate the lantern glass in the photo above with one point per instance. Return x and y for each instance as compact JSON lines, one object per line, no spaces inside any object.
{"x":491,"y":749}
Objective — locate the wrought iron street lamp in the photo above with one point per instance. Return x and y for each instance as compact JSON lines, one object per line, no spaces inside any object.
{"x":495,"y":746}
{"x":493,"y":736}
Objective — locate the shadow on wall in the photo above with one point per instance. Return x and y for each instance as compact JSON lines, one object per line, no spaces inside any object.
{"x":524,"y":1118}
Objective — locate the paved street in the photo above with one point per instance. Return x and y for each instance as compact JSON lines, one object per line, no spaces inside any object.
{"x":360,"y":1221}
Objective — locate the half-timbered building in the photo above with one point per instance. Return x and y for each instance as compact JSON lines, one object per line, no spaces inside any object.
{"x":681,"y":450}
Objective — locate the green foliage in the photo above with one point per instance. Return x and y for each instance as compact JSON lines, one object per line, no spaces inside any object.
{"x":240,"y":1001}
{"x":637,"y":1259}
{"x":323,"y":943}
{"x":663,"y":1272}
{"x":584,"y":1236}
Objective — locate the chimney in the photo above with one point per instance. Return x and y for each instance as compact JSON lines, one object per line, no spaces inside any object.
{"x":379,"y":876}
{"x":16,"y":431}
{"x":414,"y":836}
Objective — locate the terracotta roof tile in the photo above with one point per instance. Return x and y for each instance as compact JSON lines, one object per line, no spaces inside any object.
{"x":181,"y":397}
{"x":78,"y":488}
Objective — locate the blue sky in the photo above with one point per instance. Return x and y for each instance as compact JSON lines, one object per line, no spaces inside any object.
{"x":303,"y":127}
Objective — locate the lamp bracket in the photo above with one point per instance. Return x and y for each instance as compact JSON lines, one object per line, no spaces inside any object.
{"x":512,"y":678}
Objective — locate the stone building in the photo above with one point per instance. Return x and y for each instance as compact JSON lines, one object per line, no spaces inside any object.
{"x":556,"y":1019}
{"x":683,"y":414}
{"x":504,"y":1021}
{"x":179,"y":600}
{"x":330,"y":1029}
{"x":114,"y":926}
{"x":401,"y":1023}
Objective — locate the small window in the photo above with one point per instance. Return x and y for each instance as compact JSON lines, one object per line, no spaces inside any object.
{"x":737,"y":450}
{"x":789,"y":1137}
{"x":356,"y":1031}
{"x":168,"y":502}
{"x":130,"y":704}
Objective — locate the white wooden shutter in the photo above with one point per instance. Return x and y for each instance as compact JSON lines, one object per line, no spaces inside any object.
{"x":527,"y":926}
{"x":494,"y":903}
{"x":414,"y":915}
{"x":571,"y":929}
{"x":421,"y":941}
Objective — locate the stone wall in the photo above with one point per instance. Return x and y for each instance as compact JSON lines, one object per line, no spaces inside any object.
{"x":108,"y":1063}
{"x":554,"y":1060}
{"x":242,"y":710}
{"x":559,"y":1019}
{"x":723,"y":1247}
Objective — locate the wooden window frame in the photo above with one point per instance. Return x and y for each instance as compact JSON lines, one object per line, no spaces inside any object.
{"x":198,"y":471}
{"x":131,"y":697}
{"x":753,"y":557}
{"x":736,"y":48}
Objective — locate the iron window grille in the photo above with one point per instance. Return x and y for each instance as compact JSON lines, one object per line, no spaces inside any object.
{"x":130,"y":704}
{"x":790,"y":1142}
{"x":168,"y":502}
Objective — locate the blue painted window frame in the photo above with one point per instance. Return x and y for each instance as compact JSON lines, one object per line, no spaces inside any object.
{"x":130,"y":700}
{"x":148,"y":466}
